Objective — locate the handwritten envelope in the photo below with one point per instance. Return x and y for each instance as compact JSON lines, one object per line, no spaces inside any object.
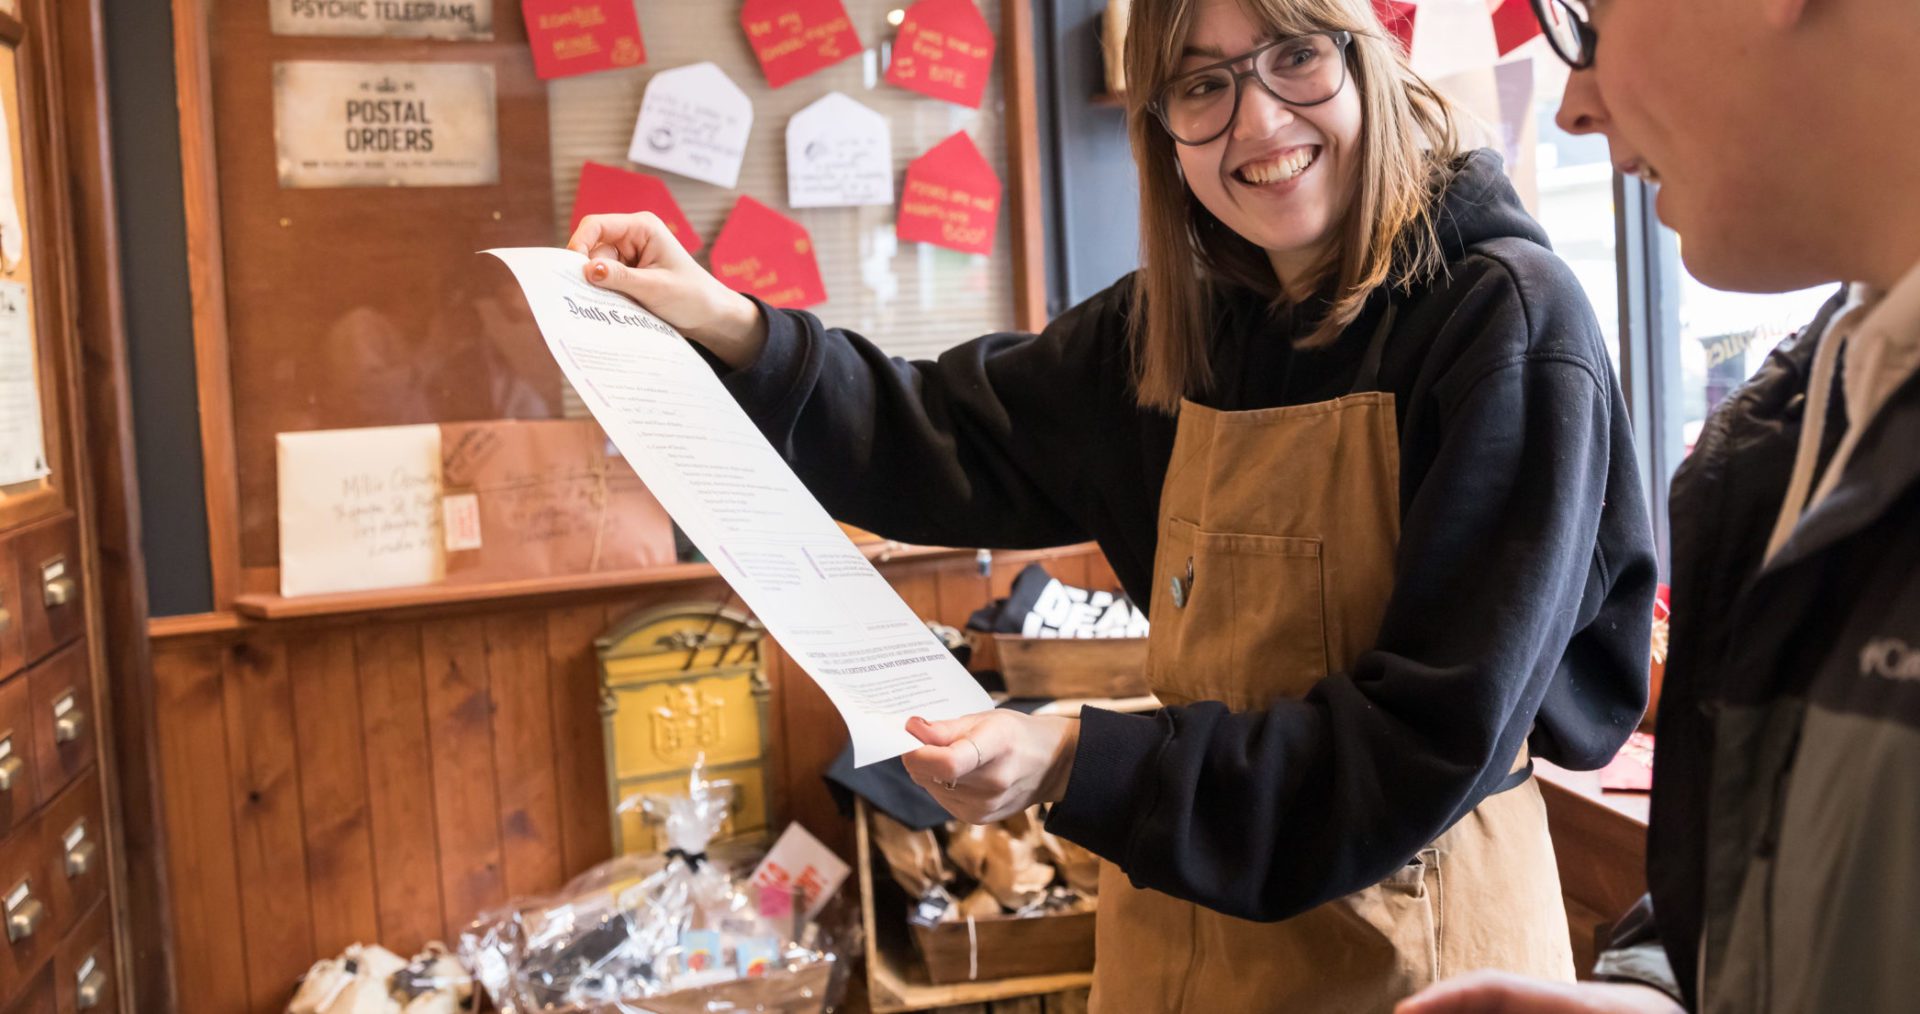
{"x":693,"y":121}
{"x":605,"y":189}
{"x":359,"y":509}
{"x":794,"y":38}
{"x":839,"y":154}
{"x":571,"y":37}
{"x":532,"y":498}
{"x":952,"y":198}
{"x":766,"y":254}
{"x":944,"y":50}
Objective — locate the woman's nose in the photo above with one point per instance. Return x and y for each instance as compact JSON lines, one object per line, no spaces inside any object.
{"x":1260,"y":115}
{"x":1582,"y":109}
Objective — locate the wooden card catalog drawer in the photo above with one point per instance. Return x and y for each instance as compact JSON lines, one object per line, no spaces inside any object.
{"x":26,"y":914}
{"x":84,"y":977}
{"x":73,"y":851}
{"x":13,"y":644}
{"x":63,"y":719}
{"x":19,"y":793}
{"x":47,"y":567}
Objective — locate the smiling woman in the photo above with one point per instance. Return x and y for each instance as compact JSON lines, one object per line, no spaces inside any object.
{"x":1348,"y":393}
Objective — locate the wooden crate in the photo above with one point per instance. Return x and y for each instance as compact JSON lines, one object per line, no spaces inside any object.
{"x":1007,"y":948}
{"x":897,"y":980}
{"x":1073,"y":668}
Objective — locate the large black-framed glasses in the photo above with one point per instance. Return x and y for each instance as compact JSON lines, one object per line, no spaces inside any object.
{"x":1569,"y":28}
{"x":1304,"y":70}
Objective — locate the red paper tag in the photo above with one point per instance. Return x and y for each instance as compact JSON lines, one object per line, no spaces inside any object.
{"x":1514,"y":25}
{"x":952,"y":198}
{"x":763,"y":253}
{"x":605,"y":190}
{"x":571,"y":37}
{"x":794,"y":38}
{"x":1398,"y":17}
{"x":944,"y":50}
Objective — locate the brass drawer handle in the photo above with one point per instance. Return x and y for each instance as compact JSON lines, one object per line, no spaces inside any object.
{"x":11,"y":768}
{"x":60,"y":591}
{"x":6,"y":619}
{"x":80,"y":851}
{"x":24,"y":913}
{"x":68,"y":721}
{"x":90,"y":983}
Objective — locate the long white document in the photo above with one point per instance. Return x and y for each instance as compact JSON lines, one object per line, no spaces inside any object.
{"x":739,"y":502}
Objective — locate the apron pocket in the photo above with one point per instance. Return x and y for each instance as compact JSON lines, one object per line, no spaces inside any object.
{"x":1401,"y":917}
{"x":1238,"y":618}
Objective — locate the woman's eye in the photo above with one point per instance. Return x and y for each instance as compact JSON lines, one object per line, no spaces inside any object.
{"x":1202,"y":88}
{"x":1298,"y":57}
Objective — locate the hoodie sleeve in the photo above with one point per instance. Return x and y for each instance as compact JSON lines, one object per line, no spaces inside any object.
{"x":977,"y":448}
{"x":1263,"y":815}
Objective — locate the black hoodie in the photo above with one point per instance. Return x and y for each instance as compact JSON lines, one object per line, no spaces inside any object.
{"x":1524,"y":580}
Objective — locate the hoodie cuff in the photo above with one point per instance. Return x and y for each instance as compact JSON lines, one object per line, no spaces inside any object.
{"x":763,"y":386}
{"x":1112,"y":769}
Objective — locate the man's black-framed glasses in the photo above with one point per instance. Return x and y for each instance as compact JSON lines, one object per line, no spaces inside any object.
{"x":1569,"y":28}
{"x":1306,"y":70}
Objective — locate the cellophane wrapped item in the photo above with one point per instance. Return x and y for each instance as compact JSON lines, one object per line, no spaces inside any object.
{"x":664,"y":934}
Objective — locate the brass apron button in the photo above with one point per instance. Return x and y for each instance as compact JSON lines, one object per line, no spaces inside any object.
{"x":1181,"y":587}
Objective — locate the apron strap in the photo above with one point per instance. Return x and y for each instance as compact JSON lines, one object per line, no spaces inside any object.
{"x":1516,"y":778}
{"x":1369,"y":376}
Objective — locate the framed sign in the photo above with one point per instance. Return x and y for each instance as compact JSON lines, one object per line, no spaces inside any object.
{"x":388,"y":19}
{"x":385,"y":124}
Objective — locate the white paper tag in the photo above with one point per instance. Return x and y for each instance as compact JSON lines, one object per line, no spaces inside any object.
{"x":461,"y":521}
{"x":86,"y":969}
{"x":798,"y":861}
{"x":75,"y":835}
{"x":54,"y":571}
{"x":62,"y":706}
{"x":18,"y":895}
{"x":839,"y":154}
{"x":6,"y":748}
{"x":694,"y":121}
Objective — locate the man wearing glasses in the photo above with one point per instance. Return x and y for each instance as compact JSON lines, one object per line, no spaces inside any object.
{"x":1784,"y":852}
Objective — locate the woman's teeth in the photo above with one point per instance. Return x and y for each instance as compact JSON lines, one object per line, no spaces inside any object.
{"x":1279,"y":169}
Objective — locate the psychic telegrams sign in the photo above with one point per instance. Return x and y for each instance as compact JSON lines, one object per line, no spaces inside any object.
{"x":392,"y":19}
{"x":385,"y":124}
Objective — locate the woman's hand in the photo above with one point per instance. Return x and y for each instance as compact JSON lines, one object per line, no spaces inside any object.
{"x":992,"y":765}
{"x":1505,"y":993}
{"x":637,"y":256}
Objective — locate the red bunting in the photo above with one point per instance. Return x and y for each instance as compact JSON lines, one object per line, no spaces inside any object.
{"x":951,"y":199}
{"x":766,"y":254}
{"x":571,"y":37}
{"x":605,"y":190}
{"x":944,"y":50}
{"x":1398,"y":17}
{"x":1514,"y":25}
{"x":794,"y":38}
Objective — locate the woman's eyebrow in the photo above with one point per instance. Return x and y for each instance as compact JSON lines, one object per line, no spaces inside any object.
{"x":1215,"y":52}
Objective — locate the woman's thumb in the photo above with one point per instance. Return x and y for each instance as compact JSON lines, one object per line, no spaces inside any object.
{"x":639,"y":284}
{"x":937,"y":733}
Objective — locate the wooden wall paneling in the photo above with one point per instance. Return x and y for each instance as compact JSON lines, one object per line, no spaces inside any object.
{"x":817,"y":734}
{"x":524,"y":751}
{"x":466,"y":805}
{"x":959,"y":590}
{"x":399,"y":785}
{"x":329,"y":740}
{"x":124,"y":693}
{"x":209,"y":955}
{"x":269,"y":839}
{"x":206,"y":276}
{"x":573,"y":674}
{"x":1023,"y":161}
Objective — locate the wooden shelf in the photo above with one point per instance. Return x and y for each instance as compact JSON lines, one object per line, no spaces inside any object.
{"x":266,"y":606}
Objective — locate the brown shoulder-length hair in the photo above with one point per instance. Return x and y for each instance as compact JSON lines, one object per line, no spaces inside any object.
{"x":1408,"y":142}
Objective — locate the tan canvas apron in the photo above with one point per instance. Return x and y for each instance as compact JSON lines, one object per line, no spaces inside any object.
{"x":1277,"y":536}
